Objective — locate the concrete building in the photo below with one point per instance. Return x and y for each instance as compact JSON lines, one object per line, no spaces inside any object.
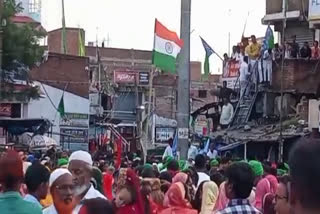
{"x":63,"y":75}
{"x":31,"y":8}
{"x":297,"y":19}
{"x":77,"y":116}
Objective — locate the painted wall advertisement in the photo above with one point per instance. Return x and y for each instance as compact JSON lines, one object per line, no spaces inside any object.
{"x":74,"y":131}
{"x":231,"y":73}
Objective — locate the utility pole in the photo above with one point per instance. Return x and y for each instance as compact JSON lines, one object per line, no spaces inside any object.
{"x":149,"y":104}
{"x":1,"y":30}
{"x":229,"y":35}
{"x":183,"y":114}
{"x":284,"y":10}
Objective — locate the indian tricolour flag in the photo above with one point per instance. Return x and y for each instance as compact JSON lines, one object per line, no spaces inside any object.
{"x":167,"y":46}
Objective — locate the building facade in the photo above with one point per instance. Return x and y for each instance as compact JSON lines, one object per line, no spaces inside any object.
{"x":63,"y":76}
{"x":31,"y":8}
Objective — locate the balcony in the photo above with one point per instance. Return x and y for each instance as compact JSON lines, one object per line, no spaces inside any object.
{"x":296,"y":9}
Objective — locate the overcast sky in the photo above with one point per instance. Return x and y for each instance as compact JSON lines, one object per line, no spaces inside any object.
{"x":130,"y":23}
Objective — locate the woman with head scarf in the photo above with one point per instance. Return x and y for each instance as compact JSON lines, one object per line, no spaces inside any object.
{"x":187,"y":180}
{"x":263,"y":185}
{"x":206,"y":197}
{"x":178,"y":200}
{"x":129,"y":199}
{"x":156,"y":195}
{"x":180,"y":177}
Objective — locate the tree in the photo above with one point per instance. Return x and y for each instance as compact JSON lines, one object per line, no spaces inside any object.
{"x":21,"y":51}
{"x":20,"y":42}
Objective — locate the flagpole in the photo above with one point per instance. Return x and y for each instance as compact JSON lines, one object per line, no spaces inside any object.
{"x":63,"y":40}
{"x":284,"y":6}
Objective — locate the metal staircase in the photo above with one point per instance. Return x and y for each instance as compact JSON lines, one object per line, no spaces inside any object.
{"x":245,"y":104}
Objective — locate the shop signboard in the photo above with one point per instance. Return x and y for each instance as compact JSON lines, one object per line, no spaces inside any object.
{"x":143,"y":78}
{"x":74,"y":128}
{"x":164,"y":134}
{"x":314,"y":10}
{"x":74,"y":139}
{"x":124,"y":77}
{"x":75,"y":120}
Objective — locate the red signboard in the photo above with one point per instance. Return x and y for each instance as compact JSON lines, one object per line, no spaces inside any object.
{"x":5,"y":109}
{"x":124,"y":77}
{"x":231,"y":73}
{"x":231,"y":69}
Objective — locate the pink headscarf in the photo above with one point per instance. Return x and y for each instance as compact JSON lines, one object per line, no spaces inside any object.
{"x":180,"y":177}
{"x":265,"y":186}
{"x":175,"y":197}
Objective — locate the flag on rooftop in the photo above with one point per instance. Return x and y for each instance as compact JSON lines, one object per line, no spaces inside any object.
{"x":209,"y":52}
{"x":268,"y":42}
{"x":82,"y":50}
{"x":167,"y":46}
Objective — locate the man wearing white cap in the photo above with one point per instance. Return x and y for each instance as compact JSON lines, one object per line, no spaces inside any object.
{"x":62,"y":191}
{"x":80,"y":165}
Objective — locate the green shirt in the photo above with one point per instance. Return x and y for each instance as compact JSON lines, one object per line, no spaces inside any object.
{"x":13,"y":203}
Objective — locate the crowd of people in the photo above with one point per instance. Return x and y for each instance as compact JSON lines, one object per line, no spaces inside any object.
{"x":203,"y":185}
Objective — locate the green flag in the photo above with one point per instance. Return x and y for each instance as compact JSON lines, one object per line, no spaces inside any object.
{"x":61,"y":107}
{"x":82,"y":49}
{"x":209,"y":52}
{"x":206,"y":67}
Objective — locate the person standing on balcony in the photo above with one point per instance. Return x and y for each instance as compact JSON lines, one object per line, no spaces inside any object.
{"x":315,"y":52}
{"x":236,"y":53}
{"x":277,"y":52}
{"x":305,"y":51}
{"x":294,"y":53}
{"x":244,"y":72}
{"x":267,"y":65}
{"x":253,"y":51}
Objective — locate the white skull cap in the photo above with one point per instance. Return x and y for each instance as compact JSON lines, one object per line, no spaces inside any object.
{"x":81,"y":156}
{"x":57,"y":174}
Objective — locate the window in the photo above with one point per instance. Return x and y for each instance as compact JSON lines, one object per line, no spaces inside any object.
{"x":202,"y":94}
{"x":34,"y":6}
